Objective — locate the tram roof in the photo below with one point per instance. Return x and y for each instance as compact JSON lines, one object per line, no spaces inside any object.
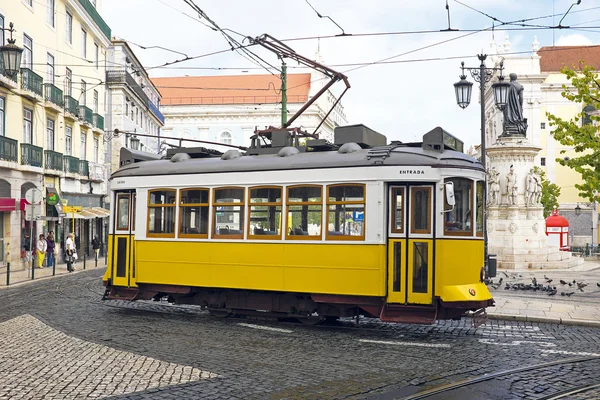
{"x":408,"y":155}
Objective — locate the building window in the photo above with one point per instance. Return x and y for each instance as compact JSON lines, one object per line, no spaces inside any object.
{"x":228,"y":209}
{"x":225,"y":138}
{"x":83,"y":43}
{"x":97,"y":54}
{"x":83,"y":93}
{"x":50,"y":69}
{"x":194,"y":208}
{"x":27,"y":59}
{"x":542,"y":125}
{"x":161,"y":213}
{"x":586,"y":113}
{"x":543,"y":161}
{"x":50,"y":134}
{"x":27,"y":126}
{"x":265,"y":213}
{"x":29,"y":3}
{"x":126,"y":106}
{"x":345,"y":212}
{"x":304,"y":212}
{"x":68,"y":140}
{"x":69,"y":28}
{"x":68,"y":82}
{"x":2,"y":116}
{"x":1,"y":33}
{"x":83,"y":145}
{"x":50,"y":12}
{"x":95,"y":101}
{"x":96,"y":147}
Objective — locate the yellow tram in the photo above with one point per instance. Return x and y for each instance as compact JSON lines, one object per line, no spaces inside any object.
{"x":310,"y":231}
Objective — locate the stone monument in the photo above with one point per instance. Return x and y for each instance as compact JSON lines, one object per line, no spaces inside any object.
{"x":515,"y":219}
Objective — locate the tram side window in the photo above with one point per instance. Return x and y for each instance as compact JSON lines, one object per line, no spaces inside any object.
{"x":161,"y":213}
{"x":265,"y":213}
{"x":193,"y":210}
{"x":345,"y":212}
{"x":458,"y":219}
{"x":304,"y":212}
{"x":479,"y":213}
{"x":123,"y":212}
{"x":228,"y":210}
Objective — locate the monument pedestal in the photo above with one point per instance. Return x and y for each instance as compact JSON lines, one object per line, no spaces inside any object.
{"x":516,"y":232}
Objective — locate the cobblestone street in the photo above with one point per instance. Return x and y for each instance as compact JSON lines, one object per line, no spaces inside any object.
{"x":60,"y":341}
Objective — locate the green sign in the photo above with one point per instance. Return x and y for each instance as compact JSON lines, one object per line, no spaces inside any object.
{"x":52,"y":199}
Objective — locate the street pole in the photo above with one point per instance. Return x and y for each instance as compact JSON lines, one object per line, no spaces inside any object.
{"x":482,"y":73}
{"x":283,"y":93}
{"x":31,"y":238}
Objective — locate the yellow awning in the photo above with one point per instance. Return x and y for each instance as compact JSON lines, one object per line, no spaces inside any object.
{"x":89,"y":213}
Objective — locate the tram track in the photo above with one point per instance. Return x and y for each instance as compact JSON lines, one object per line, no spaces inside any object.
{"x":494,"y":375}
{"x":569,"y":392}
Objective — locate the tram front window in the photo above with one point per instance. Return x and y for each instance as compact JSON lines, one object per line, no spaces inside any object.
{"x":458,"y":219}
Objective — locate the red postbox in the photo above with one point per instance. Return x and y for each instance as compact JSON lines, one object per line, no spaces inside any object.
{"x":557,"y":230}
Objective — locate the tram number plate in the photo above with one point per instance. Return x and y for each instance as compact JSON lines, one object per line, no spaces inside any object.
{"x":480,"y":317}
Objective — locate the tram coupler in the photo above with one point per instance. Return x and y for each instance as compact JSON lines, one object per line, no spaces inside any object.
{"x":480,"y":317}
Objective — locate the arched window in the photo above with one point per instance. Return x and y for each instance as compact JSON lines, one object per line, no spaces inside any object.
{"x":225,"y":138}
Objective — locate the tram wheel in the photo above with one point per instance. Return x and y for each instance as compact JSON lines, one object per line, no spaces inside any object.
{"x":310,"y":320}
{"x":219,"y":312}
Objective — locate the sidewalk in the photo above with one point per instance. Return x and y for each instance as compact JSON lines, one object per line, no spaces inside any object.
{"x":553,"y":302}
{"x":23,"y":276}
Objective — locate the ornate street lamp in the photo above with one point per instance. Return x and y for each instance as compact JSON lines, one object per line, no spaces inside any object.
{"x":11,"y":55}
{"x":463,"y":90}
{"x":578,"y":210}
{"x":501,"y":92}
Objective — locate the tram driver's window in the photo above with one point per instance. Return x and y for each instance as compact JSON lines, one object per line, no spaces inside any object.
{"x":479,"y":209}
{"x":304,"y":212}
{"x":458,"y":219}
{"x":228,"y":209}
{"x":193,"y":210}
{"x":123,"y":212}
{"x":161,"y":213}
{"x":345,"y":212}
{"x":265,"y":213}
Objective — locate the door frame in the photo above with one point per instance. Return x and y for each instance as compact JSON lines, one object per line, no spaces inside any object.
{"x":403,"y":240}
{"x":123,"y":240}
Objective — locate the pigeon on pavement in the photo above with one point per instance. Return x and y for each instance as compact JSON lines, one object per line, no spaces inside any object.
{"x":564,"y":283}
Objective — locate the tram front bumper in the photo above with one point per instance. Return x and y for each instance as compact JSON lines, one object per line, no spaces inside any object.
{"x":475,"y":295}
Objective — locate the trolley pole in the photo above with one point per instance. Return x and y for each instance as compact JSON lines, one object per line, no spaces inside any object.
{"x":283,"y":93}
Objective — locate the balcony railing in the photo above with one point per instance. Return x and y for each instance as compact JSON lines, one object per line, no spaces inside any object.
{"x":154,"y":109}
{"x":86,"y":114}
{"x":54,"y":160}
{"x":54,"y":95}
{"x":122,"y":76}
{"x":71,"y":105}
{"x":8,"y":149}
{"x":32,"y":81}
{"x":71,"y":164}
{"x":84,"y":168}
{"x":91,"y":10}
{"x":31,"y":155}
{"x":98,"y":121}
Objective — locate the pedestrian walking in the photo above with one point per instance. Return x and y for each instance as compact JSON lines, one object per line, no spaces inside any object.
{"x":41,"y":250}
{"x":96,"y":246}
{"x":70,"y":252}
{"x":51,"y":248}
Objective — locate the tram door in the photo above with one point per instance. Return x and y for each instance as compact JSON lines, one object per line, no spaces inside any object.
{"x":410,"y":244}
{"x":122,"y":242}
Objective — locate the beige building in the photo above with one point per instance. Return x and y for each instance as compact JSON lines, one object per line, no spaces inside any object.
{"x":52,"y":122}
{"x":539,"y":73}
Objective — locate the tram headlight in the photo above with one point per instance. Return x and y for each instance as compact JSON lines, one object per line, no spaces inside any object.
{"x":482,"y":274}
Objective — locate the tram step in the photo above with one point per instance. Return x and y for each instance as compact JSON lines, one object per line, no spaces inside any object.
{"x":122,"y":293}
{"x":408,"y":314}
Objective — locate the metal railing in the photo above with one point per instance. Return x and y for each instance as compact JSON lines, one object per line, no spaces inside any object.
{"x":91,"y":10}
{"x":71,"y":105}
{"x":54,"y":160}
{"x":31,"y":155}
{"x":71,"y":164}
{"x":8,"y":149}
{"x":120,"y":75}
{"x":233,"y":100}
{"x":99,"y":121}
{"x":84,"y":168}
{"x":86,"y":114}
{"x":154,"y":109}
{"x":586,"y":251}
{"x":54,"y":95}
{"x":32,"y":81}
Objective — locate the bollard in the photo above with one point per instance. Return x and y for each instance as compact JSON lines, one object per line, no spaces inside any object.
{"x":96,"y":265}
{"x":83,"y":260}
{"x":7,"y":274}
{"x":32,"y":267}
{"x":54,"y":266}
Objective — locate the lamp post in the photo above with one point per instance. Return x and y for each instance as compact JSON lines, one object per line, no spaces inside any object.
{"x":592,"y":207}
{"x":11,"y":54}
{"x":463,"y":88}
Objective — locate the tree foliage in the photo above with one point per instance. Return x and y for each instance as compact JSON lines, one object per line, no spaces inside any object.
{"x":550,"y":193}
{"x":582,"y":138}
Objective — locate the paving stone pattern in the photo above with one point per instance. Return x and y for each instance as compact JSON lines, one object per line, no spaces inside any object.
{"x":291,"y":361}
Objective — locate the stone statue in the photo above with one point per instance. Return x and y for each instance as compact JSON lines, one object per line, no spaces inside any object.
{"x":538,"y":187}
{"x":514,"y":123}
{"x":511,"y":187}
{"x":494,"y":180}
{"x":530,"y":188}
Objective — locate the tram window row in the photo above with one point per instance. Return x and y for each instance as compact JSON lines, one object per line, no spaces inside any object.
{"x":263,"y":211}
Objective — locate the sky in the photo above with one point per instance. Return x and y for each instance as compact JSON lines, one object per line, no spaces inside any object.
{"x":402,"y":100}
